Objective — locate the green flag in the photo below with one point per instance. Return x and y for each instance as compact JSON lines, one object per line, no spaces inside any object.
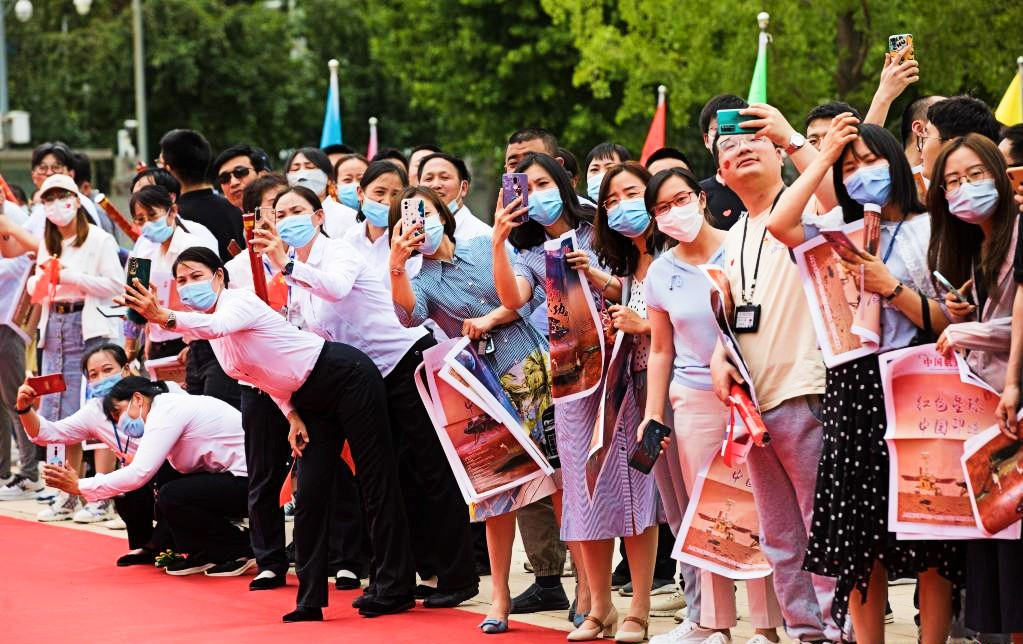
{"x":758,"y":86}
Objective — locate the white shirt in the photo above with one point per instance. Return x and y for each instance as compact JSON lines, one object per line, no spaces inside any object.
{"x":162,"y":277}
{"x":91,"y":272}
{"x":90,"y":423}
{"x":14,"y":272}
{"x":343,"y":300}
{"x":254,"y":344}
{"x":192,"y":433}
{"x":468,"y":226}
{"x":196,"y":229}
{"x":337,"y":218}
{"x":377,"y":254}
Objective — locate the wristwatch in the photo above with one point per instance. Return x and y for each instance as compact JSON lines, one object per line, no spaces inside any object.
{"x":895,"y":292}
{"x":290,"y":266}
{"x":172,"y":321}
{"x":795,"y":142}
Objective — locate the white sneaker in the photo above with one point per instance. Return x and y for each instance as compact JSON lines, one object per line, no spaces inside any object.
{"x":289,"y":510}
{"x":667,"y":605}
{"x":47,"y":495}
{"x":117,"y":523}
{"x":93,"y":512}
{"x":680,"y":615}
{"x":685,"y":633}
{"x":63,"y":508}
{"x":721,"y":638}
{"x":759,"y":639}
{"x":20,"y":487}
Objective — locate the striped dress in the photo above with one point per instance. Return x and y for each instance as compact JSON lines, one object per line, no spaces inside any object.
{"x":624,"y":501}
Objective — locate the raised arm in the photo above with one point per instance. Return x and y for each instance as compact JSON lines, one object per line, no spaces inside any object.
{"x":513,"y":290}
{"x":895,"y":78}
{"x":403,"y":242}
{"x":785,"y":222}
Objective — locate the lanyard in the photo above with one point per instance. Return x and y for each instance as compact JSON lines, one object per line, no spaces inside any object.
{"x":747,"y":298}
{"x":127,"y":443}
{"x":891,"y":244}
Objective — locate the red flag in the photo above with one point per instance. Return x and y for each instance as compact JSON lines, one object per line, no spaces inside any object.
{"x":46,"y":284}
{"x":656,"y":135}
{"x":277,"y":292}
{"x":7,"y":192}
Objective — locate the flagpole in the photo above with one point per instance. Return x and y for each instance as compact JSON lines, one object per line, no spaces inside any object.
{"x":1019,"y":70}
{"x":371,"y":149}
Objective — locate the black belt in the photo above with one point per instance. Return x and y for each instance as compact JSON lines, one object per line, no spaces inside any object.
{"x":67,"y":307}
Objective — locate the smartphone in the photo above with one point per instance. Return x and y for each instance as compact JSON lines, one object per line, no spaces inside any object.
{"x":1015,"y":176}
{"x":649,"y":449}
{"x":138,"y":268}
{"x":49,"y":384}
{"x":56,"y":453}
{"x":113,"y":311}
{"x":898,"y":42}
{"x":948,"y":287}
{"x":413,"y":212}
{"x":515,"y":184}
{"x":731,"y":122}
{"x":264,"y":215}
{"x":549,"y":440}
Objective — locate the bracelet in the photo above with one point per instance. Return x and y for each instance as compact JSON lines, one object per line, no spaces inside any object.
{"x":397,"y":271}
{"x":607,"y":283}
{"x":22,"y":412}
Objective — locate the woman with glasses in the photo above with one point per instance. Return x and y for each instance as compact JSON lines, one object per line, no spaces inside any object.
{"x":683,"y":334}
{"x":974,"y":244}
{"x":156,"y":215}
{"x":310,"y":168}
{"x":77,"y":271}
{"x":849,"y":537}
{"x":455,"y":290}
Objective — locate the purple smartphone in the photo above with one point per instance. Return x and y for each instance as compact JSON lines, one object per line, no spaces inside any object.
{"x":515,"y":184}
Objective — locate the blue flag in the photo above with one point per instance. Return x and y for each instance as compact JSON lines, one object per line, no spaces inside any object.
{"x":332,"y":113}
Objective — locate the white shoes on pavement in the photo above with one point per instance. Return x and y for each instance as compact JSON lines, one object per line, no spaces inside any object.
{"x":94,"y":512}
{"x":687,"y":632}
{"x":20,"y":487}
{"x":63,"y":508}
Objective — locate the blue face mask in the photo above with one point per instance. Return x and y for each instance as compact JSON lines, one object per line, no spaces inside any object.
{"x":872,"y":184}
{"x":198,"y":296}
{"x":593,"y":186}
{"x":296,"y":230}
{"x":453,"y":207}
{"x":376,"y":212}
{"x":545,"y":206}
{"x":629,"y":217}
{"x":346,"y":194}
{"x":157,"y":231}
{"x":133,"y":427}
{"x":102,"y":387}
{"x":433,"y":231}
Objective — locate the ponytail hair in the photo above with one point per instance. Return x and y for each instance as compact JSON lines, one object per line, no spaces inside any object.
{"x":128,"y":387}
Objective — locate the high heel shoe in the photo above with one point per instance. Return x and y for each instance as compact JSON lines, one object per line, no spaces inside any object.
{"x":494,"y":626}
{"x":633,"y":637}
{"x":592,"y":628}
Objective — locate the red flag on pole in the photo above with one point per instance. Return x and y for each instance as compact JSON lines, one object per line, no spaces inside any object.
{"x":656,"y":135}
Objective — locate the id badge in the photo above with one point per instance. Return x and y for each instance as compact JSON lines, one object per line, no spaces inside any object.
{"x":485,"y":346}
{"x":747,"y":318}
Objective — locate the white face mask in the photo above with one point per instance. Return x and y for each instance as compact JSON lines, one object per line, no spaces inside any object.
{"x":315,"y":179}
{"x":682,"y":222}
{"x":60,"y":212}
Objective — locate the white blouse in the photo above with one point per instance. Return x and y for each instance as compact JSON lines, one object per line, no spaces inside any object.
{"x":256,"y":345}
{"x":337,"y":218}
{"x":91,"y":272}
{"x":192,"y":433}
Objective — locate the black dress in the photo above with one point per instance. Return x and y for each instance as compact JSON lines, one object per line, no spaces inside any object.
{"x":850,"y":520}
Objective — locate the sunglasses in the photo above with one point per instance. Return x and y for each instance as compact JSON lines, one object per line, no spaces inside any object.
{"x":238,"y":173}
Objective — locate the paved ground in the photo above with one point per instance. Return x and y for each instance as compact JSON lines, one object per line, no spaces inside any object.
{"x":902,"y":631}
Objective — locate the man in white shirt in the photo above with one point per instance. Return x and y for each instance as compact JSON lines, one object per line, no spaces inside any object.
{"x":448,"y":176}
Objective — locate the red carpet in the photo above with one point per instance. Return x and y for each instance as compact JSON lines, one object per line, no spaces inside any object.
{"x":61,"y":584}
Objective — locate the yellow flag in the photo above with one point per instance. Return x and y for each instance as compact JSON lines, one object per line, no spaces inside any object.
{"x":1010,"y":109}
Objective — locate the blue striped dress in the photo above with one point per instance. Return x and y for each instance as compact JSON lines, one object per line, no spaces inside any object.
{"x":624,"y":501}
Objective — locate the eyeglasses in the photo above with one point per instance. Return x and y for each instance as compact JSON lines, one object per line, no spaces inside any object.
{"x":732,"y":142}
{"x":973,"y":175}
{"x":681,"y":199}
{"x":238,"y":173}
{"x":611,"y":202}
{"x":57,"y":168}
{"x":154,"y":215}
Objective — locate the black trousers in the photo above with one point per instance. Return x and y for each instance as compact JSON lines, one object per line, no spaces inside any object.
{"x":344,"y":397}
{"x":433,"y":489}
{"x":200,"y":510}
{"x":138,"y":511}
{"x":204,"y":376}
{"x":267,"y":457}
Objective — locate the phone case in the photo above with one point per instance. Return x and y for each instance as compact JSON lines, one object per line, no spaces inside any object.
{"x":1015,"y":176}
{"x":49,"y":384}
{"x":647,"y":452}
{"x":515,"y":184}
{"x":731,"y":122}
{"x":138,"y":268}
{"x":897,"y":42}
{"x":265,"y":214}
{"x":413,"y":211}
{"x":56,"y":453}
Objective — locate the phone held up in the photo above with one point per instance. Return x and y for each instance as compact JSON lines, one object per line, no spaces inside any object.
{"x":731,"y":122}
{"x":898,"y":42}
{"x":413,"y":212}
{"x":56,"y":454}
{"x":513,"y":185}
{"x":138,"y":268}
{"x":49,"y":384}
{"x":1016,"y":177}
{"x":647,"y":451}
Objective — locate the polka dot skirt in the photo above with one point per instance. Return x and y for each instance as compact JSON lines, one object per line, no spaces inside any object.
{"x":849,"y":530}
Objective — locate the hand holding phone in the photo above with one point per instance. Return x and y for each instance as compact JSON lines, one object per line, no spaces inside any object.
{"x":413,"y":213}
{"x":513,"y":185}
{"x":901,"y":43}
{"x":649,"y":449}
{"x":48,"y":384}
{"x":138,"y":268}
{"x":731,"y":122}
{"x":948,"y":287}
{"x":56,"y":454}
{"x":1016,"y":178}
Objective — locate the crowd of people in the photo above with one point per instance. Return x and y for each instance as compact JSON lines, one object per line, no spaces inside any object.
{"x":312,"y":378}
